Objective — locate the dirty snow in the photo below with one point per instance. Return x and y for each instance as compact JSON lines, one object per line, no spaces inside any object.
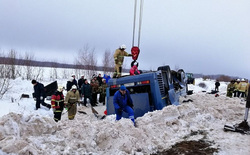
{"x":26,"y":131}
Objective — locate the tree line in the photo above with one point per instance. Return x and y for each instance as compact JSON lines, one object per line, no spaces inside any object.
{"x":13,"y":65}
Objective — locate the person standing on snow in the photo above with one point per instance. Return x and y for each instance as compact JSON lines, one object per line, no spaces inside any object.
{"x":57,"y":103}
{"x":99,"y":79}
{"x":119,"y":57}
{"x":94,"y":85}
{"x":69,"y":84}
{"x":217,"y":84}
{"x":102,"y":90}
{"x":243,"y":86}
{"x":87,"y":93}
{"x":74,"y":79}
{"x":236,"y":86}
{"x":81,"y":82}
{"x":72,"y":98}
{"x":230,"y":88}
{"x":39,"y":94}
{"x":123,"y":102}
{"x":106,"y":77}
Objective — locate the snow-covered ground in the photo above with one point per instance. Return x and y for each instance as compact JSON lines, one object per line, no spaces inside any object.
{"x":26,"y":131}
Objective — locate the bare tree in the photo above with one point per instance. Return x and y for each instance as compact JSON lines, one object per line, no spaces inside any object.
{"x":53,"y":71}
{"x":4,"y":79}
{"x":108,"y":62}
{"x":37,"y":73}
{"x":28,"y":58}
{"x":4,"y":86}
{"x":12,"y":62}
{"x":87,"y":59}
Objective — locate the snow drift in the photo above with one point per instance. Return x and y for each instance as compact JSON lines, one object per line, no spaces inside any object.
{"x":25,"y":131}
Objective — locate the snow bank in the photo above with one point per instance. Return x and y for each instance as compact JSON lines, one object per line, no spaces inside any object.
{"x":26,"y":131}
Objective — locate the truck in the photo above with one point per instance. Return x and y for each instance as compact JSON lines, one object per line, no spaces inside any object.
{"x":150,"y":90}
{"x":190,"y":78}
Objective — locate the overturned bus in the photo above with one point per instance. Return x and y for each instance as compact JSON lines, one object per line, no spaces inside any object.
{"x":149,"y":91}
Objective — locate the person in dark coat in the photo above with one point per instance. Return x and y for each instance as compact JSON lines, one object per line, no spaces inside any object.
{"x":74,"y":80}
{"x":99,"y":79}
{"x":217,"y":84}
{"x":69,"y":84}
{"x":94,"y":85}
{"x":81,"y":82}
{"x":39,"y":94}
{"x":87,"y":92}
{"x":123,"y":103}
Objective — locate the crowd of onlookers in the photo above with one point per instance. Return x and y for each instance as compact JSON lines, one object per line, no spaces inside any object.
{"x":90,"y":89}
{"x":238,"y":88}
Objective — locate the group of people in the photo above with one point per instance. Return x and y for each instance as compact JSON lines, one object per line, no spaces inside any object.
{"x":97,"y":85}
{"x":238,"y":88}
{"x":76,"y":90}
{"x":122,"y":100}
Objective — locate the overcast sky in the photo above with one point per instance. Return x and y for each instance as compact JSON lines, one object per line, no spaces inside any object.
{"x":209,"y":36}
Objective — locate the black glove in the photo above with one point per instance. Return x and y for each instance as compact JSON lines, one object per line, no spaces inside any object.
{"x":119,"y":110}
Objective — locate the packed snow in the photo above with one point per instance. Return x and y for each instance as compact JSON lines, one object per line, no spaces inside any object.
{"x":26,"y":131}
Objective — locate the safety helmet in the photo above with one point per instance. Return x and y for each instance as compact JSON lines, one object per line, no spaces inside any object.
{"x":60,"y":88}
{"x":238,"y":79}
{"x":123,"y":47}
{"x":74,"y":87}
{"x":242,"y":79}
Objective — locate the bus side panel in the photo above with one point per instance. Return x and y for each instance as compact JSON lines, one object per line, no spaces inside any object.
{"x":140,"y":101}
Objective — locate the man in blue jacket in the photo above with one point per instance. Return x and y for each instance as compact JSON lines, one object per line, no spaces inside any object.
{"x":123,"y":102}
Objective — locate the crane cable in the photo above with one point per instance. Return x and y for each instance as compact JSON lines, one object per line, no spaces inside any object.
{"x":140,"y":22}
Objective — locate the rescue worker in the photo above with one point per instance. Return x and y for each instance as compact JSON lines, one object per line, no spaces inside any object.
{"x":39,"y":94}
{"x":119,"y":57}
{"x":230,"y":88}
{"x":71,"y":99}
{"x":247,"y":92}
{"x":123,"y":103}
{"x":102,"y":90}
{"x":244,"y":124}
{"x":243,"y":88}
{"x":86,"y":92}
{"x":217,"y":85}
{"x":57,"y":103}
{"x":236,"y":86}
